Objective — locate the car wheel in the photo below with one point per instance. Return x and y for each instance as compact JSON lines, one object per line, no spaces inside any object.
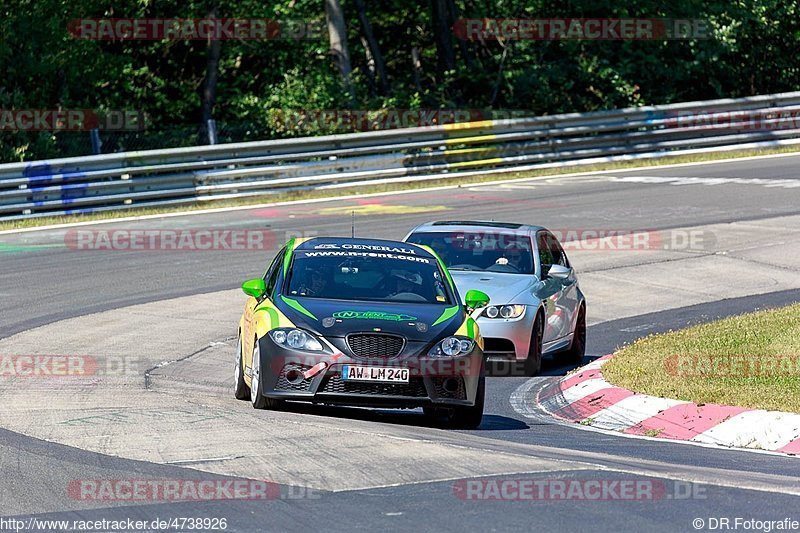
{"x":468,"y":417}
{"x":533,"y":364}
{"x":241,"y":391}
{"x":257,"y":397}
{"x":578,"y":347}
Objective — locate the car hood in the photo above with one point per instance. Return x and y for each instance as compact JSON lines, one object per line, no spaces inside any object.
{"x":502,"y":288}
{"x":337,"y":318}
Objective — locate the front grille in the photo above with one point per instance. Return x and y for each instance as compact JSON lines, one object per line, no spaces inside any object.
{"x":377,"y":345}
{"x":498,"y":348}
{"x":414,"y":388}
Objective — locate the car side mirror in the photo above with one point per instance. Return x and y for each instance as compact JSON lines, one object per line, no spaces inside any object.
{"x":254,"y":287}
{"x":559,"y":272}
{"x":475,"y":299}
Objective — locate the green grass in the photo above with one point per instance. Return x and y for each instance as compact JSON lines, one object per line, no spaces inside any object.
{"x":750,"y":360}
{"x":306,"y":195}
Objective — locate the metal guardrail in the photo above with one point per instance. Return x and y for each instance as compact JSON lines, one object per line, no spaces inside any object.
{"x":196,"y":174}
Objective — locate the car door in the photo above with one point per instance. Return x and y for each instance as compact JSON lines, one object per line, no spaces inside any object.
{"x":567,"y":296}
{"x":249,"y":331}
{"x":550,"y":289}
{"x":554,"y":293}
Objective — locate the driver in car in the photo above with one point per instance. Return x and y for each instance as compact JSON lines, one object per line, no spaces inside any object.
{"x":406,"y":282}
{"x":314,"y":282}
{"x":516,"y":258}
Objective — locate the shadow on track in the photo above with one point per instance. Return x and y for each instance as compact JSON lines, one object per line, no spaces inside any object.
{"x":414,"y":417}
{"x":550,"y":368}
{"x":407,"y":417}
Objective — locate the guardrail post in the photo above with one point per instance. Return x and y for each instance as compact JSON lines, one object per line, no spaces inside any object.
{"x":97,"y":144}
{"x":212,"y":131}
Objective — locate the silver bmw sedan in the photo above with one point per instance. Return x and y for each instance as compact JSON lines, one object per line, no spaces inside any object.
{"x":537,"y":308}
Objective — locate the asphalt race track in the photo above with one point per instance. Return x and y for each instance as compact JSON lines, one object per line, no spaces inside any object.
{"x":167,"y":319}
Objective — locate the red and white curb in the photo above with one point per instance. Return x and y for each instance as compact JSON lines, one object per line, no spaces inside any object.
{"x":585,"y":397}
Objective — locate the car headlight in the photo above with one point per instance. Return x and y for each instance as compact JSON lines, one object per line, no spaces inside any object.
{"x":296,"y":339}
{"x":452,"y":347}
{"x":504,"y":311}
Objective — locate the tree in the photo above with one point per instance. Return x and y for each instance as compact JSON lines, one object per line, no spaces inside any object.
{"x":209,"y":95}
{"x":374,"y":51}
{"x":442,"y":24}
{"x":337,"y":36}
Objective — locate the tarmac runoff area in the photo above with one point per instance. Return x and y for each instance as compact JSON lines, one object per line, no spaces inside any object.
{"x":155,"y":379}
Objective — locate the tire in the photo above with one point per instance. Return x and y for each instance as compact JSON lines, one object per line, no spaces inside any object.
{"x":578,"y":347}
{"x":240,"y":391}
{"x":468,"y":417}
{"x":533,"y":364}
{"x":257,"y":398}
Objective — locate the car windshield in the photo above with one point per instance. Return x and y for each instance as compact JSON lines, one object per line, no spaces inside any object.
{"x":351,"y":275}
{"x":489,"y":251}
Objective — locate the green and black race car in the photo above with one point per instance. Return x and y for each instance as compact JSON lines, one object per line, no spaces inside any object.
{"x":361,"y":322}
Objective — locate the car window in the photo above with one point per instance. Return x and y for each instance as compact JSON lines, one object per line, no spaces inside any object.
{"x":273,"y":271}
{"x":351,"y":275}
{"x":546,"y":257}
{"x":480,"y":250}
{"x":556,"y":252}
{"x":564,"y":258}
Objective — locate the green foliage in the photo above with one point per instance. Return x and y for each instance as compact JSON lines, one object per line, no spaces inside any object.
{"x":752,"y":49}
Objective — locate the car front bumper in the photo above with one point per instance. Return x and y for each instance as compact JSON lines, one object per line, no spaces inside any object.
{"x":450,"y":381}
{"x":507,"y":339}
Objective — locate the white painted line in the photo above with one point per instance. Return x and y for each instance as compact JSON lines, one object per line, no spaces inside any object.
{"x":198,"y":461}
{"x":766,"y":430}
{"x":493,"y":188}
{"x":410,"y":191}
{"x":631,"y":410}
{"x":519,"y":186}
{"x":523,"y":399}
{"x":639,"y":327}
{"x":550,"y":405}
{"x":790,"y":183}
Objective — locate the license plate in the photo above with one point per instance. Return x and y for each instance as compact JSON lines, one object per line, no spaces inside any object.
{"x":374,"y":373}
